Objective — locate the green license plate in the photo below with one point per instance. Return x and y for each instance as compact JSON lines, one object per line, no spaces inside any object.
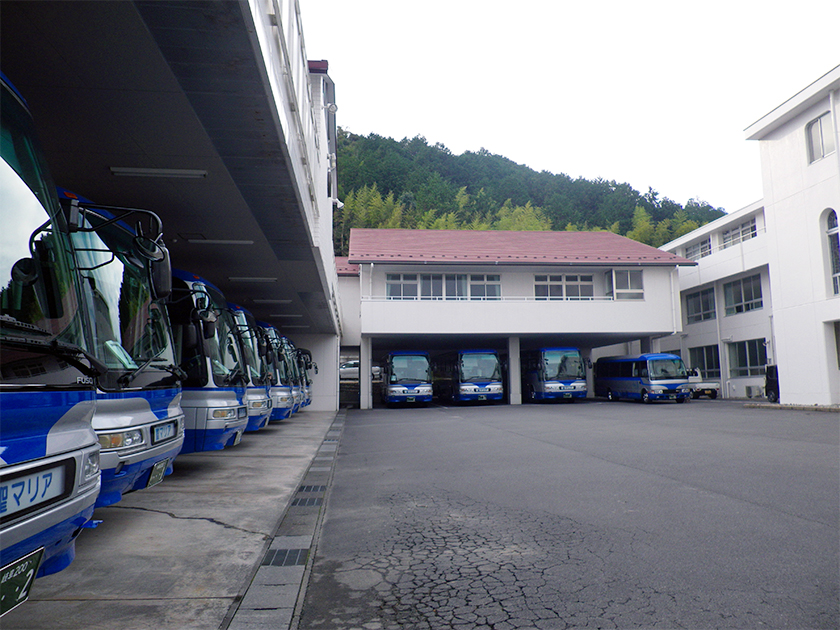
{"x":158,"y":471}
{"x":16,"y":580}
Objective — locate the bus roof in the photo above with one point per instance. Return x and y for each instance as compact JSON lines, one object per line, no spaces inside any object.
{"x":641,"y":357}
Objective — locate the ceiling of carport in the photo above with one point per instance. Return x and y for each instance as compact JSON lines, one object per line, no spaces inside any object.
{"x":173,"y":85}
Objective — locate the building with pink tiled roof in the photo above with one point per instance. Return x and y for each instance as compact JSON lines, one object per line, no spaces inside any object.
{"x":437,"y":290}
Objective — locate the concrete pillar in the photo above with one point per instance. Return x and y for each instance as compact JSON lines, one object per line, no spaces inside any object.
{"x":514,"y":384}
{"x":365,"y":389}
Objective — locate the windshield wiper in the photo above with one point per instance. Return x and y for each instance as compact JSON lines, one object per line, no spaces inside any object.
{"x":7,"y":321}
{"x":126,"y":379}
{"x":67,"y":351}
{"x":234,"y":375}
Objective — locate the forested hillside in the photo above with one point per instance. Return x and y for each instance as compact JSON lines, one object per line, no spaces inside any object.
{"x":385,"y":183}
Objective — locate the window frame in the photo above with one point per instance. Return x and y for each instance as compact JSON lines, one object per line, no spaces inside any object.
{"x":558,"y":286}
{"x":707,"y":359}
{"x":699,"y":250}
{"x":622,"y":293}
{"x":483,"y":280}
{"x":755,"y":355}
{"x":704,"y":311}
{"x":402,"y":280}
{"x":818,"y":148}
{"x":737,"y":304}
{"x":743,"y":232}
{"x":832,"y":233}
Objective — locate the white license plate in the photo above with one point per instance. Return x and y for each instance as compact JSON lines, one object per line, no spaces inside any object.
{"x":163,"y":432}
{"x":158,"y":472}
{"x":238,"y":438}
{"x":20,"y":493}
{"x":16,"y":579}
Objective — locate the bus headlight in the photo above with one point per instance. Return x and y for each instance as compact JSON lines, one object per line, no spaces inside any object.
{"x":124,"y":439}
{"x":258,"y":404}
{"x":90,"y":465}
{"x":223,"y":414}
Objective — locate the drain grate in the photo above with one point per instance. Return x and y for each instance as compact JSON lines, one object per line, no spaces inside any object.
{"x":285,"y":557}
{"x":313,"y":489}
{"x":330,"y":439}
{"x":313,"y":502}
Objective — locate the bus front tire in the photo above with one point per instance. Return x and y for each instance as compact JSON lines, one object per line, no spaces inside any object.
{"x":646,"y":397}
{"x":611,"y":397}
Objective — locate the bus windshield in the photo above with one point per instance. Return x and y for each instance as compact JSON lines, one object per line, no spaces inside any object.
{"x":131,"y":326}
{"x":409,"y":369}
{"x":39,"y":287}
{"x":663,"y":369}
{"x":562,"y":365}
{"x":480,"y":366}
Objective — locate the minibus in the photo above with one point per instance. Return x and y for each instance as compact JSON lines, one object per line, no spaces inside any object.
{"x":644,"y":377}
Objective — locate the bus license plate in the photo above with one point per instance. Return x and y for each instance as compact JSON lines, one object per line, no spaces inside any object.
{"x":482,"y":397}
{"x":16,"y":579}
{"x":238,"y":438}
{"x":163,"y":432}
{"x":24,"y":491}
{"x":410,"y":399}
{"x":158,"y":472}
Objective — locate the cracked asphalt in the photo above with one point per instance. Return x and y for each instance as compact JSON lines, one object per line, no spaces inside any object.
{"x":593,"y":515}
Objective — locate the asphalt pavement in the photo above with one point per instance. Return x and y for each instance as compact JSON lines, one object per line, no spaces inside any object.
{"x":587,"y":515}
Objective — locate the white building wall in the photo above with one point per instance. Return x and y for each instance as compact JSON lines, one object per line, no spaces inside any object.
{"x":517,"y":312}
{"x":798,"y":195}
{"x":324,"y":350}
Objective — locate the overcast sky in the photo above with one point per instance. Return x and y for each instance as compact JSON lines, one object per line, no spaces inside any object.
{"x":649,"y":92}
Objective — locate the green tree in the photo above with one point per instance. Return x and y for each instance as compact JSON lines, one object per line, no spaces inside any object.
{"x":643,"y":227}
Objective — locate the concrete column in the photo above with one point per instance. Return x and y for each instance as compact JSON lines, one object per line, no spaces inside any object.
{"x":365,"y":389}
{"x":514,"y":383}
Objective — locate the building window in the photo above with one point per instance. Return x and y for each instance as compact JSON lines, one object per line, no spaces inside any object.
{"x":570,"y":287}
{"x":485,"y":286}
{"x":696,"y":251}
{"x":743,"y":232}
{"x":707,"y":358}
{"x":625,"y":285}
{"x":401,"y":286}
{"x":833,"y":233}
{"x":548,"y":287}
{"x":743,"y":295}
{"x":820,"y":138}
{"x":700,"y":306}
{"x":747,"y":358}
{"x":438,"y":286}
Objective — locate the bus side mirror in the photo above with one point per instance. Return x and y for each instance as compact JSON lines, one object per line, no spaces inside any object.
{"x":162,"y":275}
{"x":190,"y":337}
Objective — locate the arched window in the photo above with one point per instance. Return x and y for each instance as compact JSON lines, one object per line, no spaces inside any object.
{"x":833,"y":233}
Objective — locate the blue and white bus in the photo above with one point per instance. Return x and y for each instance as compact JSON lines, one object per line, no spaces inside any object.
{"x":305,"y":363}
{"x":553,"y":374}
{"x":407,"y":378}
{"x":280,"y":390}
{"x":207,"y":350}
{"x":469,"y":376}
{"x":125,"y":279}
{"x":257,"y":377}
{"x":296,"y":379}
{"x":49,"y":453}
{"x":644,"y":377}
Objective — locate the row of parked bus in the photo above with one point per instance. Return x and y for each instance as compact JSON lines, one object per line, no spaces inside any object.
{"x":477,"y":375}
{"x":555,"y":373}
{"x":112,"y":363}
